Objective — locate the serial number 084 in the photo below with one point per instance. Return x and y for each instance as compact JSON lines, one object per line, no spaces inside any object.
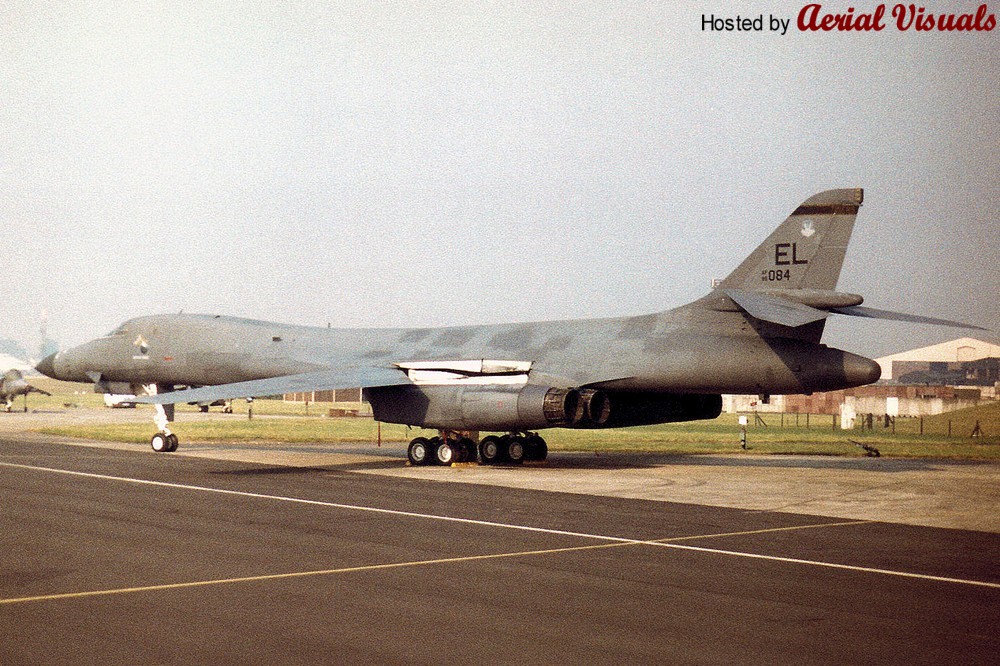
{"x":775,"y":275}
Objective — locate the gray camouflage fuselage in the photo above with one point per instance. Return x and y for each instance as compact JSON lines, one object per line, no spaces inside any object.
{"x":678,"y":351}
{"x":758,"y":332}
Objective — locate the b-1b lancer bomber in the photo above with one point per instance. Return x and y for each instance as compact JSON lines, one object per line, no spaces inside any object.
{"x":757,"y":332}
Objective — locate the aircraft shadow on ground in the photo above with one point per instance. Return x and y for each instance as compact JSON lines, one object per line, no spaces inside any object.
{"x":269,"y":470}
{"x":624,"y":460}
{"x":869,"y":464}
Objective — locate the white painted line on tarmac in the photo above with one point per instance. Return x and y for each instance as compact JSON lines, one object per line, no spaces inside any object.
{"x":661,"y":543}
{"x":333,"y":505}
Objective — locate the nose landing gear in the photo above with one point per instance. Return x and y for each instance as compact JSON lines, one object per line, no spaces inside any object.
{"x":163,"y":441}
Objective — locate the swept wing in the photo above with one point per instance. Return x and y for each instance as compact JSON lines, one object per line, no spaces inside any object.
{"x":324,"y":380}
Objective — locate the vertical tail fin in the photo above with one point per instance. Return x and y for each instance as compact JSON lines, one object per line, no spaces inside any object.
{"x":807,"y":250}
{"x":787,"y":286}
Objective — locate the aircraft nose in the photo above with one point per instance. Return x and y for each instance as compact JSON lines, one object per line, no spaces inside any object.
{"x":47,"y":366}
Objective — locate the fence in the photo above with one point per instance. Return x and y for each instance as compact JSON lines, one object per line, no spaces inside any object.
{"x":916,"y":425}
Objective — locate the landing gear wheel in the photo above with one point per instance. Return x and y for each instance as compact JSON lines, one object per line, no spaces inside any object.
{"x":543,"y":450}
{"x":160,"y":442}
{"x":535,"y":448}
{"x":462,"y":450}
{"x":446,"y":453}
{"x":469,"y":449}
{"x":171,"y":443}
{"x":515,"y":449}
{"x":490,"y":450}
{"x":418,"y":452}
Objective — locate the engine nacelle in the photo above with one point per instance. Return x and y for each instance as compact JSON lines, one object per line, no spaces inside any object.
{"x":490,"y":407}
{"x":531,"y":407}
{"x":626,"y":408}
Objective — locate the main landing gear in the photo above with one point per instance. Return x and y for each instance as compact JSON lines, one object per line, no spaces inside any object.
{"x":450,"y":448}
{"x":441,"y":450}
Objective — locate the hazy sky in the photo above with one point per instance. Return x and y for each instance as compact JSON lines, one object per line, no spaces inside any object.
{"x":398,"y":164}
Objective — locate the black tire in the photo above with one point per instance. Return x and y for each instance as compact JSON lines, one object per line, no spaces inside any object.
{"x":535,"y":448}
{"x":446,"y":453}
{"x":465,"y":450}
{"x":419,"y":451}
{"x":471,"y":450}
{"x":543,"y":450}
{"x":160,"y":443}
{"x":515,"y":450}
{"x":172,"y":443}
{"x":491,"y":450}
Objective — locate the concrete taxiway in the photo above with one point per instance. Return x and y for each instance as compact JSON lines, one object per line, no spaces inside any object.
{"x":342,"y":554}
{"x":932,"y":493}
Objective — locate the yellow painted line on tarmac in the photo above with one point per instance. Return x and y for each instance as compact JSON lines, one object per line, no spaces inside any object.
{"x":667,"y":542}
{"x":301,"y":574}
{"x":614,"y":540}
{"x":789,"y":528}
{"x":382,"y":567}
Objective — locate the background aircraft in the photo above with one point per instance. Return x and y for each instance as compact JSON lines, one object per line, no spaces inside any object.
{"x":758,"y":332}
{"x":12,"y":385}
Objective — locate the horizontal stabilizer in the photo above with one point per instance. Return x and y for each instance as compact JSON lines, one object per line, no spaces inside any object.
{"x":775,"y":309}
{"x":323,"y":380}
{"x":872,"y":313}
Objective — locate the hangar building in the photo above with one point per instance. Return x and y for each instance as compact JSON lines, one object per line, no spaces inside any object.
{"x":935,"y":357}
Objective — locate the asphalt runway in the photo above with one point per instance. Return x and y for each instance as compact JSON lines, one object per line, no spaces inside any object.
{"x":124,"y":556}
